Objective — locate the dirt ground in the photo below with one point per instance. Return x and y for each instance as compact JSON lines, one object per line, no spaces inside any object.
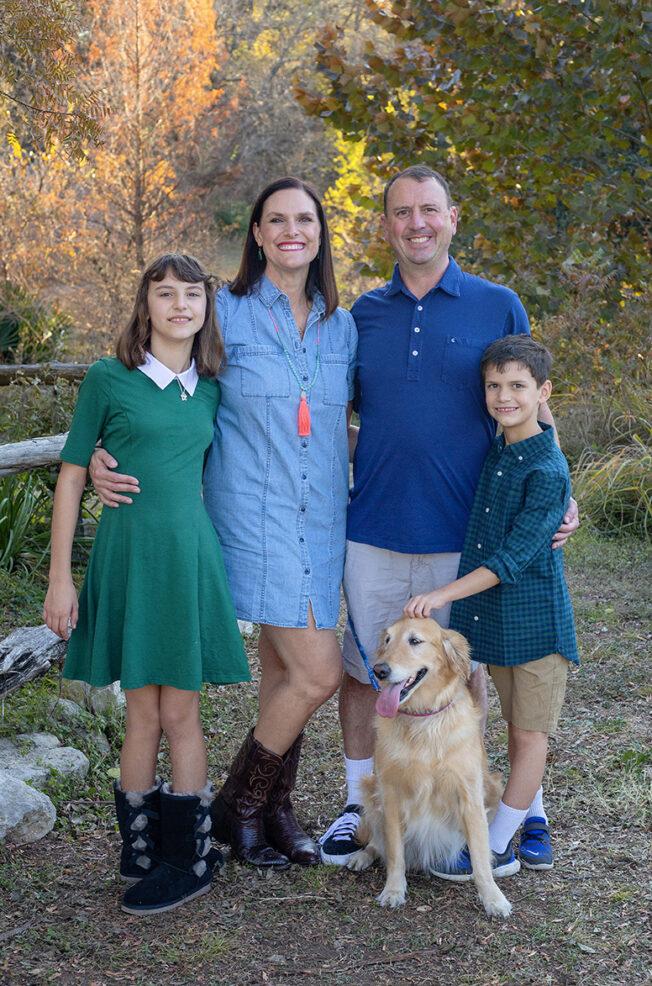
{"x":585,"y":922}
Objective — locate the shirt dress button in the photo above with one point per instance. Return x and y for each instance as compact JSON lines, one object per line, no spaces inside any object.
{"x":476,"y":618}
{"x":307,"y":571}
{"x":417,"y":329}
{"x":486,"y":510}
{"x":499,"y":473}
{"x":303,"y":475}
{"x":303,"y":510}
{"x":479,"y":546}
{"x":419,"y":308}
{"x":415,"y":352}
{"x":520,"y":458}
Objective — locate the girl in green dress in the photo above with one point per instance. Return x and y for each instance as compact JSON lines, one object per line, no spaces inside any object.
{"x":155,"y":610}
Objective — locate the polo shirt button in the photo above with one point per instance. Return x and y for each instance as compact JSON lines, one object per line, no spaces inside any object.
{"x":476,"y":618}
{"x":415,"y":352}
{"x":419,"y":308}
{"x":499,"y":473}
{"x":417,"y":329}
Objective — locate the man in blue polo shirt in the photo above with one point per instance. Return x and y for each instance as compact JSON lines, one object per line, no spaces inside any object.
{"x":424,"y":434}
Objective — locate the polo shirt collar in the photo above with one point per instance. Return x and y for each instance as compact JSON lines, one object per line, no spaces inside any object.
{"x":529,"y":448}
{"x":449,"y":281}
{"x":269,"y":293}
{"x":162,"y":375}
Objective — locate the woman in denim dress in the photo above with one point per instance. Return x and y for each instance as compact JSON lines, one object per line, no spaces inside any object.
{"x":276,"y":489}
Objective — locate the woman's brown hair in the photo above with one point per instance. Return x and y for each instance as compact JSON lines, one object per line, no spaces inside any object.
{"x":207,"y":345}
{"x":321,"y":275}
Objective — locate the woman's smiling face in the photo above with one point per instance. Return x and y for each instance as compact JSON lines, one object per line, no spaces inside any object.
{"x":289,"y":233}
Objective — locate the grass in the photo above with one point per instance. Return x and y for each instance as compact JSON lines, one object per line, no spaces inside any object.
{"x":585,"y":921}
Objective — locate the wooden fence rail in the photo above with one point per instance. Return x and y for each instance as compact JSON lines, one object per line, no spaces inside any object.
{"x":47,"y":372}
{"x":21,"y":456}
{"x":34,"y":452}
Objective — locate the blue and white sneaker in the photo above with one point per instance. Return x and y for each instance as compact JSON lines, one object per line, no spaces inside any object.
{"x":460,"y":870}
{"x":534,"y":848}
{"x":338,"y":843}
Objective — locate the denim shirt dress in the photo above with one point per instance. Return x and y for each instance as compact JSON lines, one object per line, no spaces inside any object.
{"x":277,"y":500}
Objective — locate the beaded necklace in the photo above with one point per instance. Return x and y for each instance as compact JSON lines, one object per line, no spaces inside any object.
{"x":304,"y":410}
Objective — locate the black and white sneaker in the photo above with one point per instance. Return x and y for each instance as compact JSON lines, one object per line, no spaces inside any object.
{"x":338,"y":843}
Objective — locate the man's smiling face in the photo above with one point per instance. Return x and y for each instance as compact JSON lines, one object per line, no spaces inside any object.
{"x":419,"y":224}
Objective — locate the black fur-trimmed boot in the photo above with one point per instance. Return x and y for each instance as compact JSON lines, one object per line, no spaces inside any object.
{"x":237,"y":811}
{"x":138,"y":814}
{"x":184,"y":871}
{"x":281,"y":827}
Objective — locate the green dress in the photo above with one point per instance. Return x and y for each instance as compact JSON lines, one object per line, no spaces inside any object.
{"x":155,"y":607}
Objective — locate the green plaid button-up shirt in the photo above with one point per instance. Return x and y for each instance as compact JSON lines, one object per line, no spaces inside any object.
{"x":521,"y":499}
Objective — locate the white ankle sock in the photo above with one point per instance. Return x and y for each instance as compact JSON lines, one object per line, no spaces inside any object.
{"x":355,"y":769}
{"x":536,"y":808}
{"x":504,"y":826}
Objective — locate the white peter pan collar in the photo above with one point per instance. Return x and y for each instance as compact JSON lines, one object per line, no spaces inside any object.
{"x":162,"y":375}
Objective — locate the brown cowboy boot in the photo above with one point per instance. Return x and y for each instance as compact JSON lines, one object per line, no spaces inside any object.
{"x":281,"y":826}
{"x":237,"y":811}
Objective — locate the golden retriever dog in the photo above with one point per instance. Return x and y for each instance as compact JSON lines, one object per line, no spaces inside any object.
{"x":431,"y":791}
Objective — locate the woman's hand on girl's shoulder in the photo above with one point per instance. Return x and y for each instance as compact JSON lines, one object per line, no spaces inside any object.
{"x":61,"y":609}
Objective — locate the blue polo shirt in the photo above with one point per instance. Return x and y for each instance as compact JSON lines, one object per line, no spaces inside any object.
{"x":424,"y":427}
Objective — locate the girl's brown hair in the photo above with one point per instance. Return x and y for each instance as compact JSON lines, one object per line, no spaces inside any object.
{"x":207,"y":345}
{"x":321,"y":275}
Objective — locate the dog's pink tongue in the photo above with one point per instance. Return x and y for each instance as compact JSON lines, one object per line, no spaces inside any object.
{"x":387,"y":702}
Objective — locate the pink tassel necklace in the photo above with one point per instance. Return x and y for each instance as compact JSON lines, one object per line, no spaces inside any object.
{"x":304,"y":410}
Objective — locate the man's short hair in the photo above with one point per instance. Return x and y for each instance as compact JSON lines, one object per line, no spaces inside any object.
{"x":419,"y":172}
{"x":521,"y":349}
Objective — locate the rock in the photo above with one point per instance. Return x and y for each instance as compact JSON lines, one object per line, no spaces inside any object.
{"x":98,"y":700}
{"x":69,"y":712}
{"x":25,"y":813}
{"x":32,"y":757}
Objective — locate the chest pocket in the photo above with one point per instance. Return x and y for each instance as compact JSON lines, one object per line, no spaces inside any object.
{"x":263,"y":371}
{"x":460,"y":366}
{"x":334,"y":367}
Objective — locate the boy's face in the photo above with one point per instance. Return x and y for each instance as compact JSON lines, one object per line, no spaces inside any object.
{"x":513,"y":399}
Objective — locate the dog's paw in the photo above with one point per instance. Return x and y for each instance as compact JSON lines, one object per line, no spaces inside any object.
{"x":497,"y":906}
{"x":360,"y":860}
{"x":391,"y":897}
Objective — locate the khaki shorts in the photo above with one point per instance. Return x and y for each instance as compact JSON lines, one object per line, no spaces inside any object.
{"x":532,"y":694}
{"x":377,"y":585}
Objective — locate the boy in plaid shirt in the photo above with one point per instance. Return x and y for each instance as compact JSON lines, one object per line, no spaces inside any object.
{"x":510,"y":598}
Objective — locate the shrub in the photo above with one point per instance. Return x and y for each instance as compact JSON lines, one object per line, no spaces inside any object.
{"x":30,"y":330}
{"x":614,"y":489}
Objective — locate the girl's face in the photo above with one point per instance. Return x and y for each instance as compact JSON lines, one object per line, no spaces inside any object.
{"x":177,"y":310}
{"x":289,"y":233}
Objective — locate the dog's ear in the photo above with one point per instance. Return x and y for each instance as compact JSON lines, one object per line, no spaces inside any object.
{"x":457,"y":651}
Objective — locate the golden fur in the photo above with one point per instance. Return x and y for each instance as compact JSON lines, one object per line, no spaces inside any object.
{"x":431,"y":791}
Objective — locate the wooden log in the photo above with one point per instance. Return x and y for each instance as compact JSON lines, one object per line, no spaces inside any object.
{"x":21,"y":456}
{"x":27,"y":654}
{"x":46,"y":372}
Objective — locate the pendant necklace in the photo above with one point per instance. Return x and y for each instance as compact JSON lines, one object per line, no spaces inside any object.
{"x":182,"y":390}
{"x":304,"y":410}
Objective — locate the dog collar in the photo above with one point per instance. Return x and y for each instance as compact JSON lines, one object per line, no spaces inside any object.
{"x":428,"y":712}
